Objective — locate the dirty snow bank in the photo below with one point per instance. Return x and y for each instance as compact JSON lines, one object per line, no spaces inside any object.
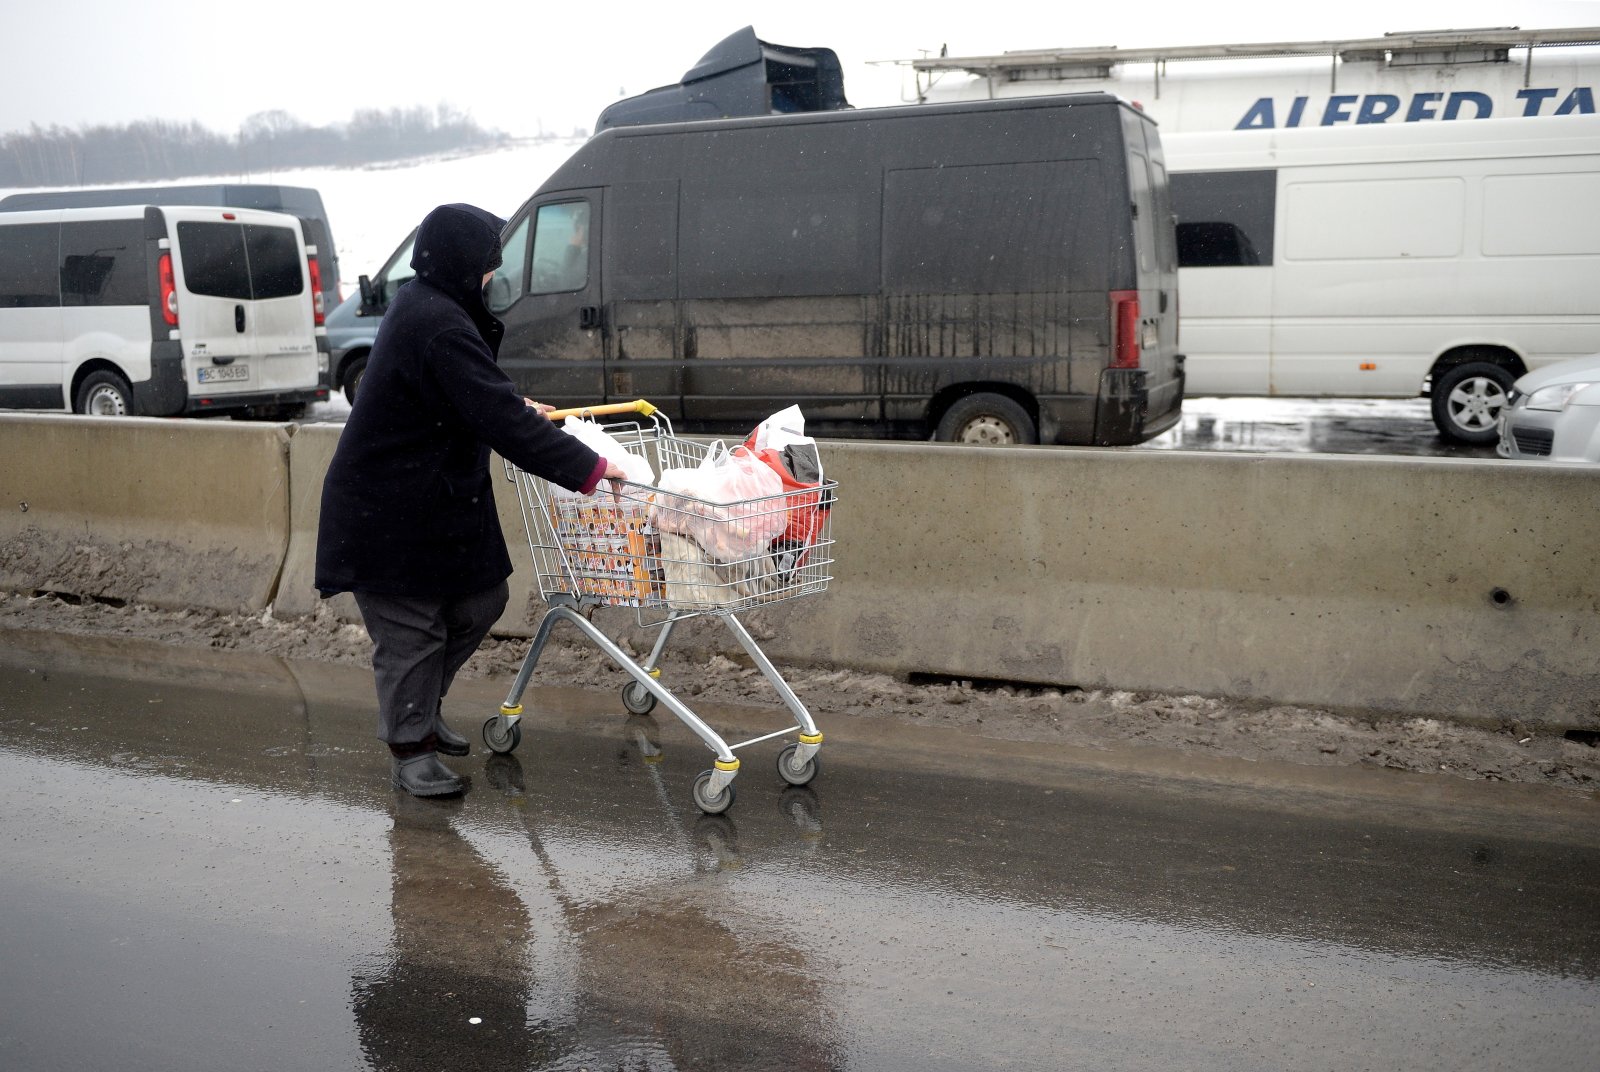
{"x":1069,"y":716}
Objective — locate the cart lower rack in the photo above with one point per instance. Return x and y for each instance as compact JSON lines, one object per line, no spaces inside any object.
{"x":672,"y":557}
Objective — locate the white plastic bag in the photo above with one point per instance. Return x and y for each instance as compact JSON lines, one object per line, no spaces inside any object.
{"x":731,"y":504}
{"x":785,"y":432}
{"x":636,"y":467}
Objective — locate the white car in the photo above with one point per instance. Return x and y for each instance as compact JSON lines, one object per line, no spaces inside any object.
{"x":1553,"y":413}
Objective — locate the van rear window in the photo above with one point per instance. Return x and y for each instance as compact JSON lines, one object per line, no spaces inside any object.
{"x":28,"y":265}
{"x":214,"y":263}
{"x":239,"y":262}
{"x":103,"y":263}
{"x":274,"y":261}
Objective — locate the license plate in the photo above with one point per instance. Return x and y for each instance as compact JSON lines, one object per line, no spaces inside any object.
{"x":221,"y":373}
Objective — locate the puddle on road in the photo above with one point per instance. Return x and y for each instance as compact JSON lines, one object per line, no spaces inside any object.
{"x":1400,"y":427}
{"x":203,"y":851}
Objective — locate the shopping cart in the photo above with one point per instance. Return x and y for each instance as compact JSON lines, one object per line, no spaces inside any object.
{"x":672,"y":557}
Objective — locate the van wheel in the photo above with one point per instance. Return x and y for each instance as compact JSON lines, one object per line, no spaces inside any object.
{"x":352,"y":377}
{"x":104,"y":394}
{"x":986,"y":420}
{"x":1467,"y":401}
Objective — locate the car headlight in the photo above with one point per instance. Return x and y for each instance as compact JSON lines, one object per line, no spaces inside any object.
{"x":1554,"y":397}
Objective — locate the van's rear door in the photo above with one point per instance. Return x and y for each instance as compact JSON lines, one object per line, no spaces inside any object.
{"x":244,"y":302}
{"x":1156,"y":266}
{"x":211,"y":274}
{"x":282,"y":320}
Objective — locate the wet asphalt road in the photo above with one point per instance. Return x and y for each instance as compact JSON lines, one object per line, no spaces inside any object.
{"x":203,"y":867}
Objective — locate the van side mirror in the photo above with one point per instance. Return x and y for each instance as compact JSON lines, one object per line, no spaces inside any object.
{"x":369,"y":298}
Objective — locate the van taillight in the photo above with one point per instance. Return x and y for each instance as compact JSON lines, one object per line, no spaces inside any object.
{"x":318,"y":303}
{"x":169,"y":292}
{"x":1124,"y":329}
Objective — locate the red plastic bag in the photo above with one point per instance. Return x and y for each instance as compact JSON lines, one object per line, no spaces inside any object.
{"x":803,"y":503}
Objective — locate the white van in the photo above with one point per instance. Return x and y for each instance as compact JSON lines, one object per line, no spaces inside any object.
{"x":1384,"y":260}
{"x":160,"y":310}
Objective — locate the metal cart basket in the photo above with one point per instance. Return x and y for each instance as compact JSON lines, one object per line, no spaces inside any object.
{"x":671,"y":557}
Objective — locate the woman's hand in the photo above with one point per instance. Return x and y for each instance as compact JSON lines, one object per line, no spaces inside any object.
{"x":539,"y":406}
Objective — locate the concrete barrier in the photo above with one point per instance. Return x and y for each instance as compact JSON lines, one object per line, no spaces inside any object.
{"x":309,"y":454}
{"x":169,"y":513}
{"x":1458,"y":588}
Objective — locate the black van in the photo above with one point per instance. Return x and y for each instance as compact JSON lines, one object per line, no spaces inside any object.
{"x":982,"y":271}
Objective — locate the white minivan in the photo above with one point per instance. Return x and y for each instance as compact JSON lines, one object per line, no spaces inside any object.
{"x":1388,"y":259}
{"x":160,"y":310}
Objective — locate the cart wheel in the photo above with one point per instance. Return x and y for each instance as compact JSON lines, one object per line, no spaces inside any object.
{"x":792,"y":774}
{"x":711,"y":805}
{"x":500,"y":740}
{"x":638,"y":699}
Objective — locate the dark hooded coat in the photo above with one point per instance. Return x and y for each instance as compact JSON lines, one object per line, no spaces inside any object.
{"x":408,"y":503}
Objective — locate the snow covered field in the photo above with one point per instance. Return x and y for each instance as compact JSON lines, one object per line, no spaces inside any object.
{"x":371,"y":209}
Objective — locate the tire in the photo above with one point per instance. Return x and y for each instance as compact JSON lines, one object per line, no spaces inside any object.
{"x":1467,"y":401}
{"x":288,"y":411}
{"x":351,"y":377}
{"x":103,"y":394}
{"x":499,"y":740}
{"x":796,"y":775}
{"x":711,"y":805}
{"x":986,"y":419}
{"x":638,"y":699}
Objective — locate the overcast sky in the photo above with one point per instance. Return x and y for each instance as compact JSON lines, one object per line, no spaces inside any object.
{"x":523,"y":67}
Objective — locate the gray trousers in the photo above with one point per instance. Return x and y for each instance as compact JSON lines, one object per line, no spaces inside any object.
{"x":418,"y":644}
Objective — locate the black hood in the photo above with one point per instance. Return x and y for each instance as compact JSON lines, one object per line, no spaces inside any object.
{"x":456,"y":244}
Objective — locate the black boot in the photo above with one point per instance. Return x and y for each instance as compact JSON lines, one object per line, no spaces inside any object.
{"x":451,"y":743}
{"x":424,"y":776}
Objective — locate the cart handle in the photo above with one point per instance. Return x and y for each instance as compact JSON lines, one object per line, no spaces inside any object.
{"x":638,"y":405}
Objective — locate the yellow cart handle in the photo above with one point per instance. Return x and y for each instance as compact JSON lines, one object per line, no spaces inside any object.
{"x":639,"y":406}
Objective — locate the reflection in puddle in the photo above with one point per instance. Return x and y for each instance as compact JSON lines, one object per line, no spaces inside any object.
{"x":1307,"y":425}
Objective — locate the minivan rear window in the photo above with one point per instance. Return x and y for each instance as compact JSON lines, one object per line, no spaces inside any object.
{"x":240,"y":262}
{"x":28,"y":265}
{"x":274,"y":261}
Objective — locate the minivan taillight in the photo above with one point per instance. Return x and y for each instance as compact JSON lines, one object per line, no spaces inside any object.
{"x":169,"y":292}
{"x":1125,"y":329}
{"x":319,"y":308}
